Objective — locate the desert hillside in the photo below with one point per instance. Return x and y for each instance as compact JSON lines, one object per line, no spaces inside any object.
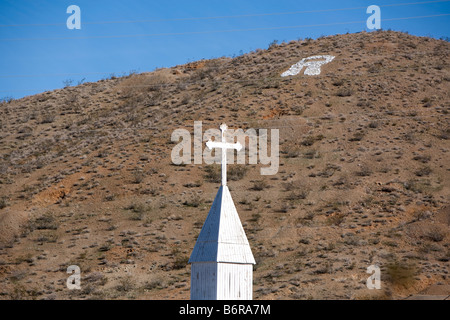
{"x":86,"y":176}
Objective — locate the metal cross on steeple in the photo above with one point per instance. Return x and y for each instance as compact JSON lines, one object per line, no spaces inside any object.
{"x":224,"y":145}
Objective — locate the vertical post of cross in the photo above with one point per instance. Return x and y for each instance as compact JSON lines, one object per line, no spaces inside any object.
{"x":223,"y":128}
{"x":224,"y":146}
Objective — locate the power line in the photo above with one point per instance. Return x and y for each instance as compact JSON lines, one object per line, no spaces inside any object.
{"x":217,"y":31}
{"x":61,"y":74}
{"x":224,"y":17}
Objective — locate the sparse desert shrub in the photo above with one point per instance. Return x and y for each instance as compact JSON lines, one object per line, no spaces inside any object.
{"x":344,"y":92}
{"x":49,"y":237}
{"x":154,"y":191}
{"x":3,"y":202}
{"x":424,"y":171}
{"x":306,"y":219}
{"x":236,"y":172}
{"x":435,"y":234}
{"x":17,"y":275}
{"x":195,"y":184}
{"x":283,"y":208}
{"x":421,"y":214}
{"x":374,"y":124}
{"x":28,"y":258}
{"x":213,"y":173}
{"x":185,"y":99}
{"x":47,"y":118}
{"x":426,"y":102}
{"x":298,"y":110}
{"x":26,"y":130}
{"x":125,"y":284}
{"x":273,"y":44}
{"x":154,"y":284}
{"x":364,"y":171}
{"x":422,"y":158}
{"x":6,"y":99}
{"x":296,"y":189}
{"x":44,"y":222}
{"x":375,"y":67}
{"x":292,"y":185}
{"x":138,"y":210}
{"x":255,"y":217}
{"x":138,"y":176}
{"x":204,"y":69}
{"x":106,"y":247}
{"x":110,"y":197}
{"x":259,"y":185}
{"x":400,"y":273}
{"x":193,"y":201}
{"x":327,"y":267}
{"x":342,"y":183}
{"x":338,"y":82}
{"x":291,"y":150}
{"x":154,"y":81}
{"x":336,"y":219}
{"x":311,"y":154}
{"x":310,"y":140}
{"x":181,"y":260}
{"x":418,"y":186}
{"x":329,"y":170}
{"x":410,"y":136}
{"x":20,"y":292}
{"x":350,"y":239}
{"x":444,"y":134}
{"x":357,"y":136}
{"x":67,"y":83}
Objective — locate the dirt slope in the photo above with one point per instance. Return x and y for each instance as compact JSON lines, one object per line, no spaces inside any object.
{"x":86,"y":176}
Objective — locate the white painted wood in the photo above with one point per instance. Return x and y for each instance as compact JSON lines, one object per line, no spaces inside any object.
{"x":204,"y":281}
{"x":222,"y":261}
{"x":224,"y":146}
{"x":234,"y":281}
{"x":221,"y":281}
{"x":222,"y":238}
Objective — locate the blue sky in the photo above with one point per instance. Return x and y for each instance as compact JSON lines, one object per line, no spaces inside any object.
{"x":38,"y":51}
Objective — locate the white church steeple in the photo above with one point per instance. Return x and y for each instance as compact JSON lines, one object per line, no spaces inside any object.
{"x":222,"y":261}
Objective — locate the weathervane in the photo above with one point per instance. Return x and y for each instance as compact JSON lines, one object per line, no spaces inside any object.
{"x":224,"y":145}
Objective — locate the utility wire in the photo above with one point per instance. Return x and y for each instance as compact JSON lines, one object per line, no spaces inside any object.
{"x":224,"y":17}
{"x":61,"y":74}
{"x":216,"y":31}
